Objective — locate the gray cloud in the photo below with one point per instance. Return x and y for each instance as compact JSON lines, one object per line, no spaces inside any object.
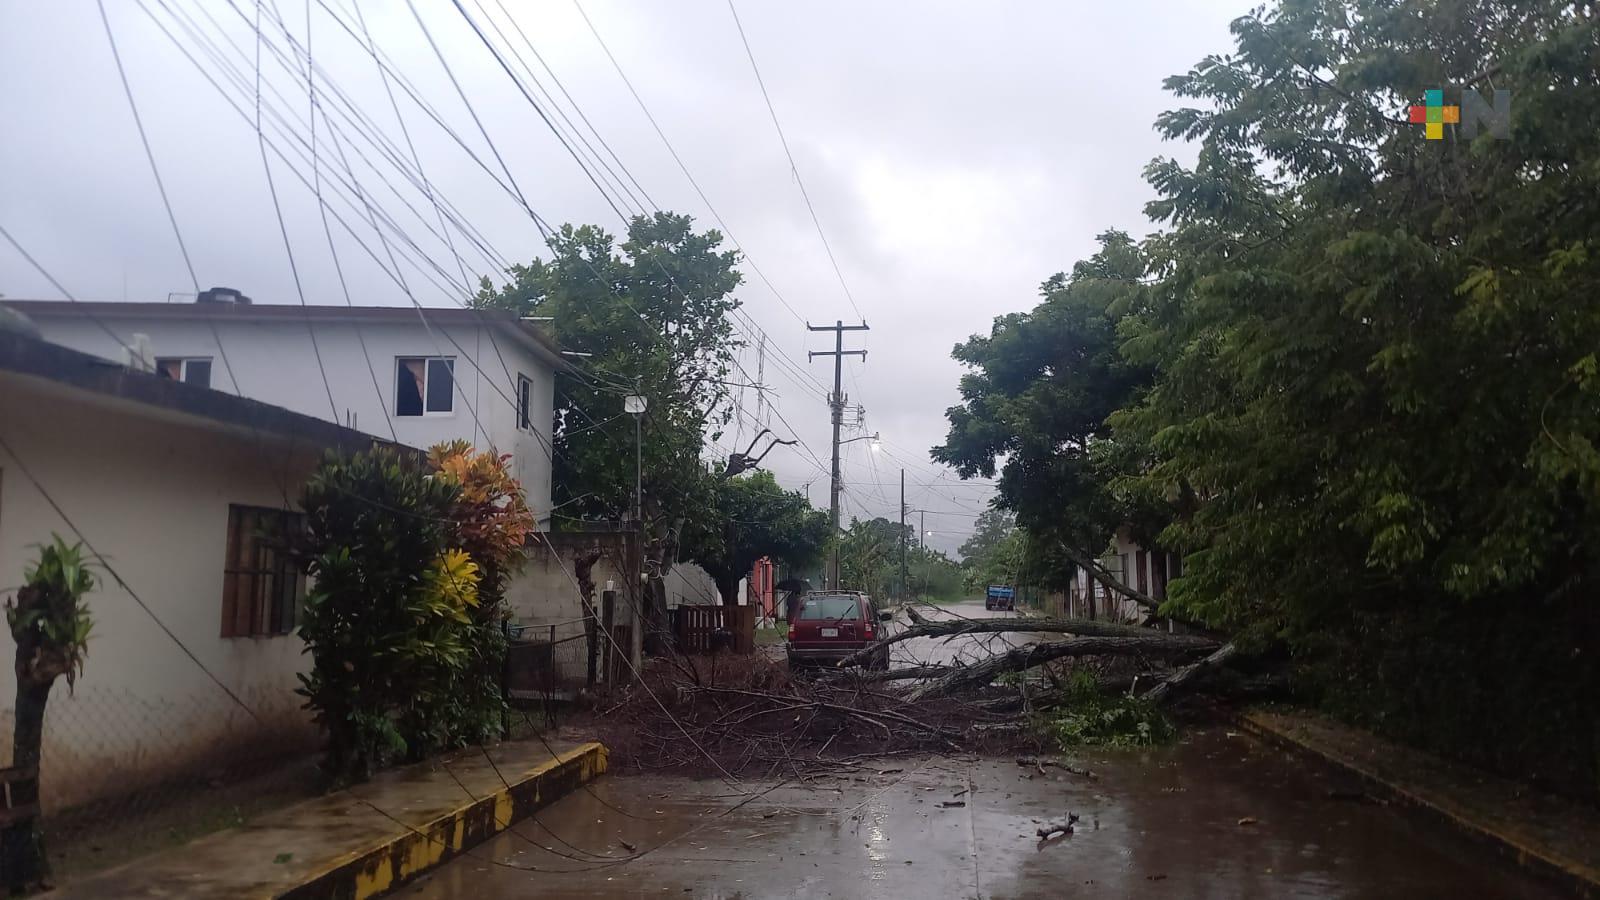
{"x":957,"y":154}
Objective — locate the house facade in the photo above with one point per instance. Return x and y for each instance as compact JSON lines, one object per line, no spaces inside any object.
{"x":1132,"y":565}
{"x":178,"y":489}
{"x":414,"y":376}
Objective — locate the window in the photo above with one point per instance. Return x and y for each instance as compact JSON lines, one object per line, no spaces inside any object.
{"x":424,"y":385}
{"x":524,"y":395}
{"x":189,"y":370}
{"x":262,"y":587}
{"x":835,"y":607}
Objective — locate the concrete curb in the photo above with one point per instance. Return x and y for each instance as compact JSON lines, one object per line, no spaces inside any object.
{"x":1531,"y":855}
{"x":389,"y":864}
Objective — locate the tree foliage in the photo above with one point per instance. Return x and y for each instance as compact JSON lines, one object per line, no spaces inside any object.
{"x":653,"y":315}
{"x":1035,"y":403}
{"x":753,"y":517}
{"x":404,"y":622}
{"x":1362,"y":380}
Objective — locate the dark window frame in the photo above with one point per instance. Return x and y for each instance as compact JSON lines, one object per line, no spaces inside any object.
{"x":424,"y":392}
{"x":263,"y":585}
{"x":524,"y":402}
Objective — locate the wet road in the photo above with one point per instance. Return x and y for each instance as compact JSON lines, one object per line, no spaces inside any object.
{"x":1214,"y":815}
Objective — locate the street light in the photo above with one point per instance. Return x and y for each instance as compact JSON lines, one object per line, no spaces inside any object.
{"x":634,"y":405}
{"x":873,"y":437}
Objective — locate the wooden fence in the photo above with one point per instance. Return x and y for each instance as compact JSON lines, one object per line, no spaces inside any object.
{"x":695,"y":627}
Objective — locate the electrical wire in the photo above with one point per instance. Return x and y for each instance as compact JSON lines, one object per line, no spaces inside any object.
{"x":794,"y":168}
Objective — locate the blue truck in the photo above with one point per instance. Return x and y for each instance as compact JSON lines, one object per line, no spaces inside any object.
{"x":1000,"y":596}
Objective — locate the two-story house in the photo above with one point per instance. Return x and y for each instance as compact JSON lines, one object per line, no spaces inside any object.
{"x":413,"y":376}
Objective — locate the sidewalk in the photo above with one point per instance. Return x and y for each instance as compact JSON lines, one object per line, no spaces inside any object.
{"x":367,"y":840}
{"x":1543,"y":833}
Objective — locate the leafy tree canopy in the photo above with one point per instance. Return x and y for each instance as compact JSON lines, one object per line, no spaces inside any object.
{"x":753,"y":517}
{"x":654,"y":315}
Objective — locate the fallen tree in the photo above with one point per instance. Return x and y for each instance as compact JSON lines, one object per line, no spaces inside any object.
{"x":1189,"y":673}
{"x":954,"y":627}
{"x":1031,"y":655}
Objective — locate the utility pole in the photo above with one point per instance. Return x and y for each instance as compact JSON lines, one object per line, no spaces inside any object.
{"x":905,"y":539}
{"x":836,"y":403}
{"x":922,"y":528}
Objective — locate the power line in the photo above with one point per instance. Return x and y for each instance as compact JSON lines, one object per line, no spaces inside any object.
{"x":679,"y":160}
{"x":793,"y":167}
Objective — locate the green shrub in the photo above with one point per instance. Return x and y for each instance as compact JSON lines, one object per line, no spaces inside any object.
{"x":1090,"y":717}
{"x":381,"y":642}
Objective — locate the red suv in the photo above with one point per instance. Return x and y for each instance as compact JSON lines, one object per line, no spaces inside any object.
{"x":831,"y":625}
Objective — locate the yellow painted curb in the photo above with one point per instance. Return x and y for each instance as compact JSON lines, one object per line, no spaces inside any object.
{"x":382,"y":867}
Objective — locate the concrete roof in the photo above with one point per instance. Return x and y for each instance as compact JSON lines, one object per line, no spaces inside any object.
{"x":33,"y":358}
{"x":542,"y":345}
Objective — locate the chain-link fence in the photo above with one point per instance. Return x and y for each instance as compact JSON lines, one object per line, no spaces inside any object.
{"x":121,"y":774}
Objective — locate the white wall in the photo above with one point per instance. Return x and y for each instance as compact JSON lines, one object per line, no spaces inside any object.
{"x":152,"y":496}
{"x":690,"y":585}
{"x":276,"y":363}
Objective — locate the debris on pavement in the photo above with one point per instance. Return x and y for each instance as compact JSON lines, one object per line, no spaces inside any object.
{"x":1052,"y":829}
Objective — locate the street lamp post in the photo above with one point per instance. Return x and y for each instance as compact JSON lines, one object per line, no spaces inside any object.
{"x":634,"y":405}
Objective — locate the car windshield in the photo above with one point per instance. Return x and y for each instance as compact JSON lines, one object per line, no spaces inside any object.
{"x":829,"y":608}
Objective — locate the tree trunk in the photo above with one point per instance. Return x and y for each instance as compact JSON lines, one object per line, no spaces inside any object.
{"x":1032,"y":655}
{"x":1188,"y":673}
{"x":22,"y":856}
{"x":583,"y":571}
{"x":947,"y":628}
{"x":728,"y":591}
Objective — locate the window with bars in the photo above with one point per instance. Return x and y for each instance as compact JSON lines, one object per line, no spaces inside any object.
{"x":262,"y":587}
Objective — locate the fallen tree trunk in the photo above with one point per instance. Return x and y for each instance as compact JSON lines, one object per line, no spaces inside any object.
{"x":1033,"y":655}
{"x":954,"y":627}
{"x":1189,"y":673}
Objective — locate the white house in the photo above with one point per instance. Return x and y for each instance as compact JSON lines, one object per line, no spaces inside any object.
{"x":172,"y":485}
{"x":1146,"y":571}
{"x":416,"y":376}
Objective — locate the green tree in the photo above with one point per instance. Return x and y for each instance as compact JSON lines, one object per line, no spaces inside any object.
{"x":753,"y":518}
{"x":1376,"y":361}
{"x":654,"y":319}
{"x":869,"y":555}
{"x":1041,"y":388}
{"x":49,"y":620}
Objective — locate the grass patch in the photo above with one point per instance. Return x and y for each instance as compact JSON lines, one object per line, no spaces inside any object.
{"x":771,"y":637}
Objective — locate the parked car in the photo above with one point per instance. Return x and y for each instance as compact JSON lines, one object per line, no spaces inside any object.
{"x":829,"y":626}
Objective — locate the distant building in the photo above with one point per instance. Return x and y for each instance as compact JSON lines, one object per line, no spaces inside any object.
{"x":182,"y":490}
{"x":431,"y":375}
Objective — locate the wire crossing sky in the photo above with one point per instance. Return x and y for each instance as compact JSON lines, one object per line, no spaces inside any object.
{"x":923,"y":168}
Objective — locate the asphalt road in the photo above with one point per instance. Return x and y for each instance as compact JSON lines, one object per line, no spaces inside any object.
{"x":1216,"y":814}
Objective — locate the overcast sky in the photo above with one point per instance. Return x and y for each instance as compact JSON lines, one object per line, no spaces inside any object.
{"x":957,"y":154}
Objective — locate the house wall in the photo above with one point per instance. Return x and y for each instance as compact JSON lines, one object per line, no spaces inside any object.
{"x":690,"y":585}
{"x":1134,"y":566}
{"x":275,"y":362}
{"x":150,"y":491}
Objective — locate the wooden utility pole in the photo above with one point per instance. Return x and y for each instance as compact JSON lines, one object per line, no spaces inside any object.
{"x":836,"y":403}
